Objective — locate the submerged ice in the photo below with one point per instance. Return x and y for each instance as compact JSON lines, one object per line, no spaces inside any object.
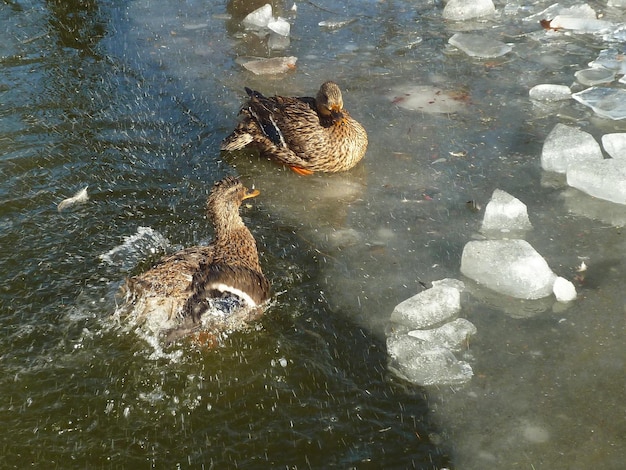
{"x":605,"y":179}
{"x":606,"y":102}
{"x":477,"y":45}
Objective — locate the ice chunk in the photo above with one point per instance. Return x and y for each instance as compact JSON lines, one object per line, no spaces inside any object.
{"x":595,"y":76}
{"x":581,"y":10}
{"x":578,"y":24}
{"x":564,"y":290}
{"x":605,"y":102}
{"x":459,"y":10}
{"x":604,"y":179}
{"x":615,"y":144}
{"x":577,"y":11}
{"x":611,"y":59}
{"x":505,"y":213}
{"x":452,"y":335}
{"x":271,"y":66}
{"x":279,"y":26}
{"x":79,"y":198}
{"x":547,"y":92}
{"x":510,"y":267}
{"x":477,"y":45}
{"x":428,"y":308}
{"x":566,"y":145}
{"x":425,"y":98}
{"x":421,"y":363}
{"x":259,"y":18}
{"x":580,"y":204}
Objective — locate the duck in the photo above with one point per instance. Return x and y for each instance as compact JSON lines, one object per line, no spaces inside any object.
{"x":307,"y":134}
{"x":207,"y":290}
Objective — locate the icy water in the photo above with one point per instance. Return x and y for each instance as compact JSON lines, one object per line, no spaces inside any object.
{"x":131,"y":100}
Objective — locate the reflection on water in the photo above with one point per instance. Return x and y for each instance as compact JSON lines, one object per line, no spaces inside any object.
{"x":132,"y":101}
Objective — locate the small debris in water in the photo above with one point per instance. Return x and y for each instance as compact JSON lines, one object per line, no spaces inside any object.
{"x":335,"y":24}
{"x":79,"y":198}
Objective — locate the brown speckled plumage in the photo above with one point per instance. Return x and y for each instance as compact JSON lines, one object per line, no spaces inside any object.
{"x":307,"y":134}
{"x":174,"y":294}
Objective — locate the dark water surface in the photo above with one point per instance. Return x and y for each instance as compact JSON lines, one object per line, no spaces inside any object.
{"x":131,"y":98}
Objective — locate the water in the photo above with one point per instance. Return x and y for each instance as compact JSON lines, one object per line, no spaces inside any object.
{"x":132,"y":99}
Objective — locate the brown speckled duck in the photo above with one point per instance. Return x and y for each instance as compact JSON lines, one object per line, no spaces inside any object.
{"x":307,"y":134}
{"x":177,"y":294}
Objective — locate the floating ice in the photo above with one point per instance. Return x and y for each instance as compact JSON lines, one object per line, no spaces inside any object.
{"x":578,"y":11}
{"x":477,"y":45}
{"x":611,"y":59}
{"x":262,"y":20}
{"x":605,"y":102}
{"x":578,"y":203}
{"x":424,"y":356}
{"x":279,"y":26}
{"x":459,"y":10}
{"x":548,"y":92}
{"x":566,"y":145}
{"x":564,"y":290}
{"x":615,"y":144}
{"x":259,"y":18}
{"x":452,"y":335}
{"x":136,"y":247}
{"x":616,"y":35}
{"x":428,"y":308}
{"x":505,"y":213}
{"x":419,"y":362}
{"x":510,"y":267}
{"x":79,"y":198}
{"x":595,"y":76}
{"x":581,"y":10}
{"x":427,"y":99}
{"x":271,"y":66}
{"x":579,"y":24}
{"x":604,"y":179}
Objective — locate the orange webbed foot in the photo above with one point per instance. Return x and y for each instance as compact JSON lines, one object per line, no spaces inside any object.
{"x":301,"y":171}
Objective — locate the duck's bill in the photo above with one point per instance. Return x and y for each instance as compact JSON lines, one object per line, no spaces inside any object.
{"x":250,"y":193}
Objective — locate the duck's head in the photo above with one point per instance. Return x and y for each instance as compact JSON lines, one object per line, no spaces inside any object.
{"x":226,"y":197}
{"x":329,"y":101}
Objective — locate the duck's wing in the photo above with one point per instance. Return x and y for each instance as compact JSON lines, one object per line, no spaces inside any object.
{"x":218,"y":280}
{"x":173,"y":274}
{"x":288,"y":122}
{"x":194,"y":256}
